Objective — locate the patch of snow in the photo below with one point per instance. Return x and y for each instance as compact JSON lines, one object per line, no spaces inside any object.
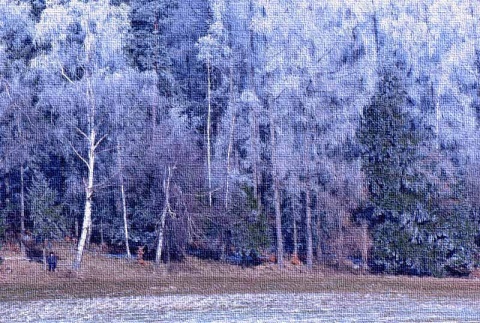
{"x":286,"y":307}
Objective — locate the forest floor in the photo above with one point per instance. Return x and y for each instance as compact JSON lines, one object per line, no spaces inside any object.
{"x":102,"y":276}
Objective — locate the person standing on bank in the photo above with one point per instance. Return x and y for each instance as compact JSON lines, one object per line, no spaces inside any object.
{"x":52,"y":261}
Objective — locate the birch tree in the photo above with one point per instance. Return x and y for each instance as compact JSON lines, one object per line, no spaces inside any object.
{"x":130,"y":92}
{"x":213,"y":50}
{"x":86,"y":40}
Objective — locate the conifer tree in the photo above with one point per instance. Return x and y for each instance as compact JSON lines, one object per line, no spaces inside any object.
{"x":44,"y":209}
{"x":413,"y":232}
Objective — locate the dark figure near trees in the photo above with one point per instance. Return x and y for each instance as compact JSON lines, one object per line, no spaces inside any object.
{"x":52,"y":261}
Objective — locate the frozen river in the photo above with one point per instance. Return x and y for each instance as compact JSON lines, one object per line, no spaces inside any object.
{"x":320,"y":307}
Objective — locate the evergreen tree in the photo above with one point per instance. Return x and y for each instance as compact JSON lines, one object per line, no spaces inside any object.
{"x":392,"y":145}
{"x":147,"y":43}
{"x":45,"y":211}
{"x":413,"y":232}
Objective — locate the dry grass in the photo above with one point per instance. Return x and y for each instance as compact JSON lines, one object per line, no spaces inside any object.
{"x":101,"y":276}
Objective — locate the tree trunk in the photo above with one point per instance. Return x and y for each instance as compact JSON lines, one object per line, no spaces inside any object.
{"x":22,"y":210}
{"x":376,"y":33}
{"x":438,"y":117}
{"x":341,"y":240}
{"x":44,"y":254}
{"x":167,"y":251}
{"x":76,"y":227}
{"x":89,"y":235}
{"x":308,"y":222}
{"x":165,"y":211}
{"x":209,"y":144}
{"x":254,"y":129}
{"x":256,"y":158}
{"x":278,"y":224}
{"x":365,"y":246}
{"x":101,"y":231}
{"x":319,"y":242}
{"x":124,"y":200}
{"x":154,"y":118}
{"x":125,"y":220}
{"x":295,"y":238}
{"x":230,"y":139}
{"x":276,"y":193}
{"x":87,"y":216}
{"x":93,"y":143}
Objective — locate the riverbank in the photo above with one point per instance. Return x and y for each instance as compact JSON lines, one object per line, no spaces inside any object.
{"x":102,"y":276}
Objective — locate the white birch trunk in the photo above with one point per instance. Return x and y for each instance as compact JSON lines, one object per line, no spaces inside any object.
{"x":90,"y":137}
{"x":209,"y":144}
{"x":230,"y":139}
{"x":163,"y":217}
{"x":87,"y":216}
{"x":90,"y":163}
{"x":158,"y":254}
{"x":125,"y":220}
{"x":229,"y":153}
{"x":124,"y":200}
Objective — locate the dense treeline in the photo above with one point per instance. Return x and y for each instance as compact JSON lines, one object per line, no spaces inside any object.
{"x":335,"y":132}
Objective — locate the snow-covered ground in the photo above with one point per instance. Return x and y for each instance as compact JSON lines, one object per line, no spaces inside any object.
{"x":320,"y":307}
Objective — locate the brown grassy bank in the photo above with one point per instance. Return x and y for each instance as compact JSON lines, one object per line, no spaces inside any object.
{"x":100,"y":276}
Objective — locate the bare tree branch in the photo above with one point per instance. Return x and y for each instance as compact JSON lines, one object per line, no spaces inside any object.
{"x":65,"y":75}
{"x":78,"y":154}
{"x":81,"y":132}
{"x":105,"y":183}
{"x":99,"y":142}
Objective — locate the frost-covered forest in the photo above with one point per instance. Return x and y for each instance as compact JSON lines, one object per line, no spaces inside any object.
{"x":336,"y":131}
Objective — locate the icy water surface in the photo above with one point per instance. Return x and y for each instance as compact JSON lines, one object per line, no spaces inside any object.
{"x":321,"y":307}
